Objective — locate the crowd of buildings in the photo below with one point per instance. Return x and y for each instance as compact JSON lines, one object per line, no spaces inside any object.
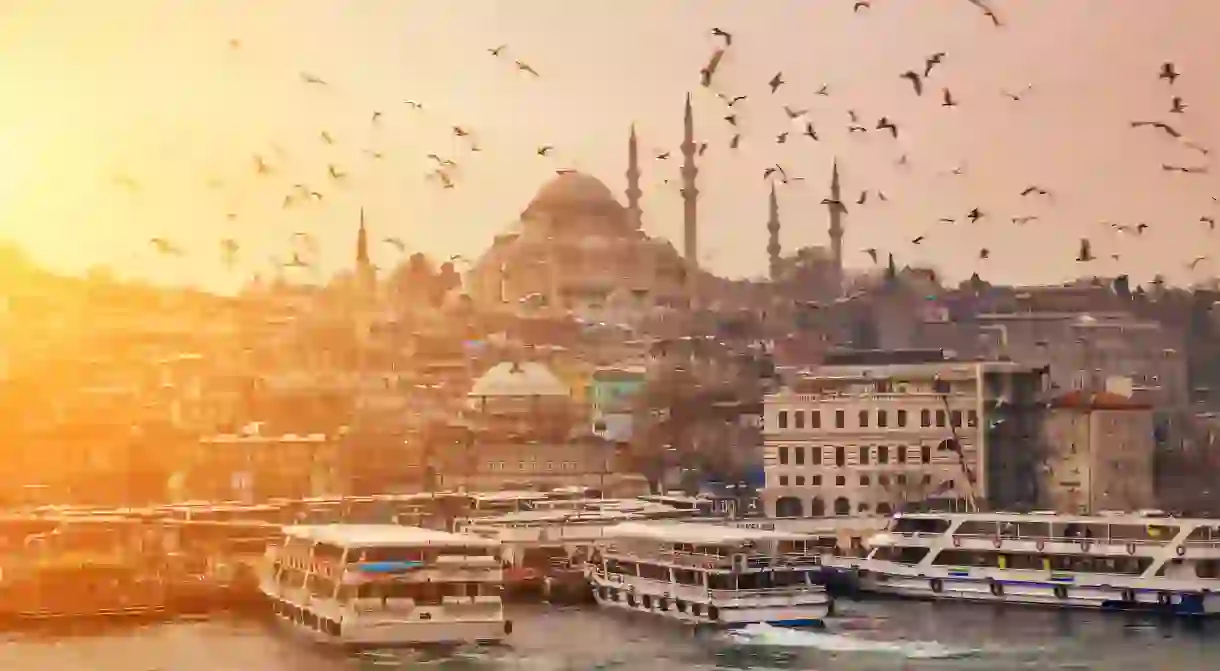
{"x":578,"y":350}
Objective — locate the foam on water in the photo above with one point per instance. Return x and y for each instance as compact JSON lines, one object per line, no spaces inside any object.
{"x":767,"y":635}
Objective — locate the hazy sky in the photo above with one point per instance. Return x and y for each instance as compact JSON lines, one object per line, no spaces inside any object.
{"x":152,"y":89}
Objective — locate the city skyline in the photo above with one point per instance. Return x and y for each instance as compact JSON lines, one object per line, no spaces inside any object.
{"x":144,"y":122}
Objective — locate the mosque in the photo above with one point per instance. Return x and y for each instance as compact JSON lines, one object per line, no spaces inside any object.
{"x":576,"y":249}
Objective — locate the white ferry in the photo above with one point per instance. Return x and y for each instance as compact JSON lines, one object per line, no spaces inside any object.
{"x":376,"y":585}
{"x":1128,"y":561}
{"x":707,"y":574}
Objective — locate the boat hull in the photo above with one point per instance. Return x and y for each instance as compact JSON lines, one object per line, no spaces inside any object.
{"x":810,"y":610}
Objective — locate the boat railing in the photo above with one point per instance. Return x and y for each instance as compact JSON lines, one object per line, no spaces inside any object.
{"x":763,"y":591}
{"x":1000,"y":539}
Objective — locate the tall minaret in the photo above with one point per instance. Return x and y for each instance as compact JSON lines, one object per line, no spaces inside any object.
{"x":633,"y":181}
{"x":836,"y":224}
{"x":365,"y":278}
{"x":773,"y":247}
{"x":690,"y":199}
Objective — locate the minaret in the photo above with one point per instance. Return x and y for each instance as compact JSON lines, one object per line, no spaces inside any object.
{"x":690,"y":197}
{"x":836,"y":225}
{"x":633,"y":181}
{"x":773,"y":247}
{"x":365,"y":279}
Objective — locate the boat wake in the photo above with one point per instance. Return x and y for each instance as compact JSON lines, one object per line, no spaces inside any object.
{"x":766,"y":635}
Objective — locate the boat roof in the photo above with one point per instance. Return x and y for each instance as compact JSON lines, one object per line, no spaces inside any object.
{"x":1150,"y":517}
{"x":695,"y":533}
{"x":383,"y":535}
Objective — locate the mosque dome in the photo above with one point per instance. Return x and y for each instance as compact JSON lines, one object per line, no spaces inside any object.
{"x":574,"y":191}
{"x":515,"y":380}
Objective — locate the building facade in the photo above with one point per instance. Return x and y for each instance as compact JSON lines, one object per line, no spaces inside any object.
{"x":1100,"y":452}
{"x":869,"y":438}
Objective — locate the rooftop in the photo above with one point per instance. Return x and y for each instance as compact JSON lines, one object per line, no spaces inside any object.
{"x":383,"y":535}
{"x":1102,"y":400}
{"x":524,"y":379}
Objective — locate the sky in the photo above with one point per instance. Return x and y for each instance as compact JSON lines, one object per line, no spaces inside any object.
{"x":131,"y":119}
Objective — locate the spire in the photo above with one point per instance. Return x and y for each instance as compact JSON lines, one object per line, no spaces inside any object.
{"x":362,"y":243}
{"x":836,"y":225}
{"x":690,"y":198}
{"x":633,"y":181}
{"x":773,"y":248}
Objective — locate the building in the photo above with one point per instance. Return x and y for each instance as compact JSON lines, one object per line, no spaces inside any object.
{"x":1100,"y":453}
{"x":613,"y":394}
{"x":870,"y":432}
{"x":252,"y":466}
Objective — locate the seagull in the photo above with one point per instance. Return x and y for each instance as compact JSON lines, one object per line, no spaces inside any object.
{"x":824,"y":91}
{"x":872,"y":252}
{"x":312,"y":79}
{"x":444,"y":162}
{"x":1211,"y":223}
{"x":1197,"y":147}
{"x":974,"y":215}
{"x":260,"y":166}
{"x":228,"y":251}
{"x":775,"y":169}
{"x":731,"y":101}
{"x":525,"y":67}
{"x":544,"y":150}
{"x":1177,"y":106}
{"x":915,"y":81}
{"x":1024,"y":220}
{"x":663,"y":156}
{"x":809,"y":131}
{"x":1197,"y":260}
{"x":1198,"y":170}
{"x":728,"y":37}
{"x":948,"y":99}
{"x":781,"y":138}
{"x":296,"y":262}
{"x":885,"y":124}
{"x":709,"y":70}
{"x":735,"y":141}
{"x":444,"y":177}
{"x":164,"y":246}
{"x":1086,"y":251}
{"x":334,"y":172}
{"x":837,"y":204}
{"x":376,"y":117}
{"x":987,"y":11}
{"x":732,"y":119}
{"x":917,"y":240}
{"x":776,"y":81}
{"x":861,"y":4}
{"x":1158,"y":124}
{"x":794,"y":114}
{"x":931,"y":62}
{"x":984,"y":253}
{"x":1168,"y":72}
{"x":1033,"y":188}
{"x":947,"y":220}
{"x":863,"y":197}
{"x":413,"y":104}
{"x":856,"y":129}
{"x":326,"y":137}
{"x":460,"y":132}
{"x":1017,"y":97}
{"x":397,"y":243}
{"x":498,"y":50}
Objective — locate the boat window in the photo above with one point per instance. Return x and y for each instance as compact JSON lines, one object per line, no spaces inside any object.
{"x":977,"y":528}
{"x":621,"y":567}
{"x":687,"y":577}
{"x":1208,"y":569}
{"x":320,"y":587}
{"x":1203,"y":534}
{"x":720,"y":581}
{"x":901,"y":555}
{"x":327,"y":551}
{"x":423,"y":593}
{"x":384,"y":554}
{"x":1139,"y":532}
{"x":653,"y":572}
{"x":1033,"y":529}
{"x":921,"y":525}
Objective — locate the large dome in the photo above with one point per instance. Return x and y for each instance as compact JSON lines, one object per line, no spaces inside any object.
{"x":574,"y":191}
{"x":525,"y":379}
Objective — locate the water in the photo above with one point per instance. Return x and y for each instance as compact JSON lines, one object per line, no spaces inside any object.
{"x":868,"y":635}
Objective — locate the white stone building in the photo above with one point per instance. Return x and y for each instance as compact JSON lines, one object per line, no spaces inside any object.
{"x":865,"y":439}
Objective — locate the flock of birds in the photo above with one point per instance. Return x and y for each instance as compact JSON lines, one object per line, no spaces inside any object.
{"x":445,"y":169}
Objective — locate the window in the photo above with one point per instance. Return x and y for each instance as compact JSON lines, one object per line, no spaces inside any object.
{"x":864,"y":481}
{"x":949,"y":484}
{"x":863,"y":508}
{"x":783,"y":419}
{"x":900,"y":479}
{"x":800,"y":419}
{"x":815,"y":480}
{"x":940,"y":418}
{"x":902,"y":453}
{"x":972,"y":419}
{"x":550,"y":465}
{"x":815,"y":419}
{"x":783,"y":481}
{"x":840,"y":456}
{"x":800,"y":456}
{"x":927,"y":479}
{"x":815,"y":456}
{"x":863,"y":458}
{"x":783,"y":455}
{"x":800,"y":481}
{"x":956,"y":416}
{"x":925,"y":418}
{"x":840,"y":419}
{"x":883,"y":419}
{"x":863,"y":417}
{"x":840,"y":481}
{"x":902,"y":418}
{"x":883,"y":480}
{"x":925,"y":454}
{"x":883,"y":454}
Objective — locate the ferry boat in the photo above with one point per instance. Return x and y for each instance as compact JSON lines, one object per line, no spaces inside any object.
{"x":381,"y":585}
{"x":707,"y":574}
{"x":1127,"y":561}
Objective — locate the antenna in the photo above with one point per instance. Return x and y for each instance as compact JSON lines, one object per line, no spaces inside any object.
{"x":956,"y":446}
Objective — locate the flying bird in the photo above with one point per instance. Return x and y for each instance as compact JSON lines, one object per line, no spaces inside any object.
{"x":885,"y":124}
{"x":731,"y":101}
{"x":947,"y":99}
{"x":823,"y":91}
{"x":861,"y":4}
{"x":776,"y":81}
{"x":413,"y":104}
{"x":1173,"y":132}
{"x":334,"y":172}
{"x":525,"y":67}
{"x":260,"y":166}
{"x":837,"y":204}
{"x":1196,"y":170}
{"x":1086,"y":251}
{"x":663,"y":156}
{"x":397,"y":243}
{"x":735,"y":141}
{"x":872,"y":253}
{"x":1033,"y":188}
{"x":1211,"y":222}
{"x":1168,"y":72}
{"x":1176,"y":106}
{"x":444,"y":162}
{"x":326,"y":137}
{"x":1196,"y":261}
{"x":863,"y":197}
{"x":809,"y":131}
{"x":773,"y":170}
{"x":974,"y":215}
{"x":915,"y":81}
{"x":917,"y":240}
{"x":296,"y":262}
{"x":794,"y":114}
{"x":709,"y":70}
{"x":544,"y":150}
{"x":460,"y":132}
{"x":727,"y":36}
{"x":984,"y":253}
{"x":1017,"y":97}
{"x":498,"y":50}
{"x":732,"y":119}
{"x":1024,"y":220}
{"x":987,"y":11}
{"x":164,"y":246}
{"x":444,"y":177}
{"x":376,"y":117}
{"x":931,"y":62}
{"x":781,"y":138}
{"x":228,"y":251}
{"x":947,"y":220}
{"x":856,"y":129}
{"x":312,"y":79}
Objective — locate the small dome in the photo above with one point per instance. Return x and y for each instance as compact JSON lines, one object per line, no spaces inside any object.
{"x":511,"y":379}
{"x":574,"y":190}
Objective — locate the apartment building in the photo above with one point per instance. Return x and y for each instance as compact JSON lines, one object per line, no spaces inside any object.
{"x":867,"y":435}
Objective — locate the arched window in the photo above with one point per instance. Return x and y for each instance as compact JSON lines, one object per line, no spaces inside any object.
{"x":817,"y":507}
{"x":862,"y":507}
{"x":789,"y":506}
{"x":842,"y":506}
{"x":883,"y":508}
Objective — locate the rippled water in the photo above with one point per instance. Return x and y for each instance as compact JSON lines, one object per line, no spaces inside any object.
{"x":867,"y":635}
